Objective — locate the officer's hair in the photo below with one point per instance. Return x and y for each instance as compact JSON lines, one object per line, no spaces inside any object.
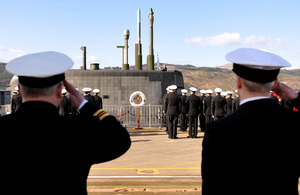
{"x":38,"y":92}
{"x":255,"y":87}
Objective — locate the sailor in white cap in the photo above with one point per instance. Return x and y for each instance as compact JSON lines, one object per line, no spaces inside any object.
{"x":38,"y":137}
{"x":171,"y":105}
{"x":64,"y":107}
{"x":228,"y":108}
{"x":235,"y":101}
{"x":218,"y":104}
{"x":195,"y":107}
{"x":87,"y":95}
{"x":184,"y":110}
{"x":16,"y":100}
{"x":164,"y":119}
{"x":98,"y":99}
{"x":223,"y":94}
{"x":259,"y":141}
{"x":207,"y":106}
{"x":202,"y":116}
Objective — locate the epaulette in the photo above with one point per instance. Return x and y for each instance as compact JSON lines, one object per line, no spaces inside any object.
{"x":101,"y":114}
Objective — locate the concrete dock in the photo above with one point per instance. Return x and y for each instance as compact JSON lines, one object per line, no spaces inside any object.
{"x":153,"y":164}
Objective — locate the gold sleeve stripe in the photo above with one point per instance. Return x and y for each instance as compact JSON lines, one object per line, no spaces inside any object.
{"x":101,"y":114}
{"x":96,"y":113}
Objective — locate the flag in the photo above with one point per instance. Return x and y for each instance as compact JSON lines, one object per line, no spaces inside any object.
{"x":157,"y":63}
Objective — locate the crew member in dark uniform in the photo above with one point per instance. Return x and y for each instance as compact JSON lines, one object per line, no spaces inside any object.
{"x":229,"y":102}
{"x":207,"y":106}
{"x":164,"y":118}
{"x":202,"y":117}
{"x":183,"y":110}
{"x":16,"y":101}
{"x":56,"y":151}
{"x":98,"y":99}
{"x":172,"y":111}
{"x":286,"y":104}
{"x":235,"y":102}
{"x":218,"y":105}
{"x":87,"y":95}
{"x":64,"y":105}
{"x":195,"y":105}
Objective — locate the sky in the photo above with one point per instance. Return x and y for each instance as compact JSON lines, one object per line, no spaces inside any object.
{"x":195,"y":32}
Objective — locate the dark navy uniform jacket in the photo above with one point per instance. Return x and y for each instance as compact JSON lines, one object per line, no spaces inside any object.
{"x":183,"y":104}
{"x":90,"y":98}
{"x":171,"y":104}
{"x":98,"y":101}
{"x":195,"y":105}
{"x":218,"y":106}
{"x":235,"y":103}
{"x":64,"y":106}
{"x":44,"y":153}
{"x":207,"y":105}
{"x":16,"y":101}
{"x":255,"y":150}
{"x":228,"y":107}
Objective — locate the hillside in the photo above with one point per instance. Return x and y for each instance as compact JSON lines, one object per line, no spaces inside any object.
{"x":200,"y":77}
{"x":5,"y":77}
{"x":210,"y":78}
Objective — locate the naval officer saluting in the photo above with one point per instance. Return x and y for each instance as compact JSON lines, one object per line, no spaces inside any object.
{"x":254,"y":150}
{"x":45,"y":148}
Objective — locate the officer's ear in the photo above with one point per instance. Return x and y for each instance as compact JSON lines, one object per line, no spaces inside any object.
{"x":58,"y":90}
{"x":239,"y":82}
{"x":19,"y":89}
{"x":275,"y":84}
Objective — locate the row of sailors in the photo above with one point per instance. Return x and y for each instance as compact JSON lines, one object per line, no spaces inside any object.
{"x":65,"y":107}
{"x":206,"y":107}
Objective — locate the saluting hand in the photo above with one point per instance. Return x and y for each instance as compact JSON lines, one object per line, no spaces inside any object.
{"x":285,"y":92}
{"x":75,"y":96}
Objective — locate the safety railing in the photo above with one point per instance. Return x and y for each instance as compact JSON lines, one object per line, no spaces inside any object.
{"x":150,"y":115}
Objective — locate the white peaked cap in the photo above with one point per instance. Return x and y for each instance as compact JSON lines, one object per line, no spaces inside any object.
{"x":40,"y":65}
{"x":173,"y":87}
{"x":218,"y":90}
{"x":40,"y":70}
{"x":184,"y":91}
{"x":193,"y":89}
{"x":202,"y":91}
{"x":257,"y":58}
{"x":223,"y":93}
{"x":96,"y":90}
{"x":209,"y":91}
{"x":86,"y":89}
{"x":256,"y":65}
{"x":63,"y":91}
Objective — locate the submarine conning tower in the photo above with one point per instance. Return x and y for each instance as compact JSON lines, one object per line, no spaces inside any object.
{"x":116,"y":86}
